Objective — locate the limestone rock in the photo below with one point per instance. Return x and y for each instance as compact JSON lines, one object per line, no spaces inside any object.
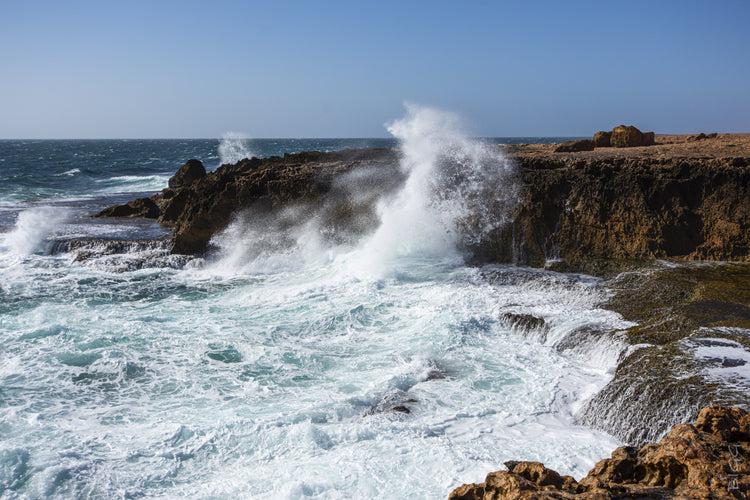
{"x":190,"y":172}
{"x":602,"y":139}
{"x":625,"y":137}
{"x":708,"y":460}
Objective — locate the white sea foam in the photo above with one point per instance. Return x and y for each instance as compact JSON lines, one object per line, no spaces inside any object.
{"x":70,"y":173}
{"x":456,"y":191}
{"x":234,"y":147}
{"x":32,"y":228}
{"x":132,"y":183}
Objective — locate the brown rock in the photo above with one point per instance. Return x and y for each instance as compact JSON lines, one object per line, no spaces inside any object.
{"x":468,"y":492}
{"x":625,"y":137}
{"x":602,"y":139}
{"x":141,"y":207}
{"x":190,"y":172}
{"x":708,"y":460}
{"x":573,"y":146}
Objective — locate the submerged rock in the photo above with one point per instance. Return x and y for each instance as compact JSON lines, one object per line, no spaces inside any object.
{"x":710,"y":459}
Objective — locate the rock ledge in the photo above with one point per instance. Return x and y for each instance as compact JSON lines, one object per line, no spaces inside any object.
{"x":710,"y":459}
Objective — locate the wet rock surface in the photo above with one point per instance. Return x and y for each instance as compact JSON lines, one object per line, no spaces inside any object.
{"x":709,"y":459}
{"x":671,"y":370}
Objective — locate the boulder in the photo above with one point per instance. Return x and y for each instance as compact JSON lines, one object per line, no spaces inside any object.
{"x":708,"y":460}
{"x":190,"y":172}
{"x":573,"y":146}
{"x":626,"y":137}
{"x":602,"y":139}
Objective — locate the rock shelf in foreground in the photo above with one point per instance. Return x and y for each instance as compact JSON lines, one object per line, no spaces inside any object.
{"x":710,"y":459}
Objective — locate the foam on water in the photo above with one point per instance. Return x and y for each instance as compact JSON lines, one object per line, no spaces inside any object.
{"x":132,"y":183}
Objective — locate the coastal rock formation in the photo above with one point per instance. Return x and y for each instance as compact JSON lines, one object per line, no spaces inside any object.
{"x":190,"y":172}
{"x":602,"y":139}
{"x":199,"y":206}
{"x":579,"y":211}
{"x":628,"y":137}
{"x":710,"y":459}
{"x":140,"y":207}
{"x":579,"y":208}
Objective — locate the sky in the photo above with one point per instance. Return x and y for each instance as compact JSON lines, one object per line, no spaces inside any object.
{"x":184,"y":69}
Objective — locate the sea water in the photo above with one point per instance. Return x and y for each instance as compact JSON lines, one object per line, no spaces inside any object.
{"x":380,"y":369}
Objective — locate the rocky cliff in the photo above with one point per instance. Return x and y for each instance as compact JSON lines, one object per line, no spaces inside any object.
{"x":676,"y":199}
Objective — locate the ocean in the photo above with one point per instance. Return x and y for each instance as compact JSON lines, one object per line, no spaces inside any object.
{"x":387,"y":368}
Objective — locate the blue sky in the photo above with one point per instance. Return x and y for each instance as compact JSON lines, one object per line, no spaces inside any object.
{"x":134,"y":69}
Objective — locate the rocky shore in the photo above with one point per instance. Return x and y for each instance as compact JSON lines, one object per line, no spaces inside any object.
{"x":666,"y":225}
{"x":707,"y":460}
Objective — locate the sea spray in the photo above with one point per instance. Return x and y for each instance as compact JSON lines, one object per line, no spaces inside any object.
{"x":456,"y":192}
{"x":32,"y":228}
{"x":234,"y":147}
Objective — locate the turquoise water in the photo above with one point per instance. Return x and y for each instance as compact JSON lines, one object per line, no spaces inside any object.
{"x":382,"y":369}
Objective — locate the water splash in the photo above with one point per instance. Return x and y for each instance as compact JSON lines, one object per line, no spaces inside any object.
{"x":458,"y":190}
{"x":455,"y":192}
{"x":234,"y":147}
{"x":32,"y":228}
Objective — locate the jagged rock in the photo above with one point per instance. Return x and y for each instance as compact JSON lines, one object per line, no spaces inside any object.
{"x":573,"y":146}
{"x":708,"y":460}
{"x":190,"y":172}
{"x":602,"y":139}
{"x":141,"y":207}
{"x":626,"y":137}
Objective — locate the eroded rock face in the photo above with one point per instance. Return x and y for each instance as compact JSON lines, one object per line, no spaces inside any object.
{"x":602,"y":139}
{"x":575,"y":208}
{"x":710,"y":459}
{"x":582,"y":210}
{"x":190,"y":172}
{"x":628,"y":137}
{"x":140,"y":207}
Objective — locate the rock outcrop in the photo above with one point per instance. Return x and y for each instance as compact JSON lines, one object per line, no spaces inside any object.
{"x":710,"y":459}
{"x":199,"y":206}
{"x":582,"y":210}
{"x":629,"y":137}
{"x":190,"y":172}
{"x":577,"y":208}
{"x":140,"y":207}
{"x":623,"y":137}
